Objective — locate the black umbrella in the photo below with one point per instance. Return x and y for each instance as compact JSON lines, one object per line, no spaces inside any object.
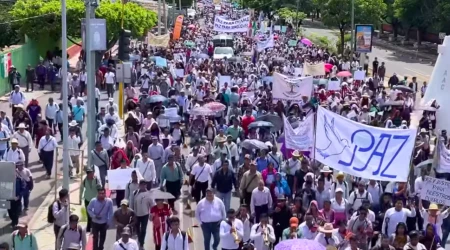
{"x":274,"y":119}
{"x":403,"y":88}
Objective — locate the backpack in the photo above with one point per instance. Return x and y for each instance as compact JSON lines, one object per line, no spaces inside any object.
{"x":80,"y":231}
{"x":14,"y":243}
{"x":345,"y":185}
{"x":367,"y":196}
{"x":166,"y":238}
{"x":21,"y":94}
{"x":50,"y":217}
{"x":96,"y":181}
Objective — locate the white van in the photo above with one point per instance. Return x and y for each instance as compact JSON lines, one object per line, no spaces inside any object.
{"x":222,"y":52}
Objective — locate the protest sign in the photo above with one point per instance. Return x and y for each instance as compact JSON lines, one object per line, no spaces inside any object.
{"x":292,"y":43}
{"x":158,"y":41}
{"x":262,"y":45}
{"x":359,"y":75}
{"x":7,"y":183}
{"x":314,"y":69}
{"x":436,"y":191}
{"x":283,"y":29}
{"x":361,"y":150}
{"x":231,"y":26}
{"x":302,"y":137}
{"x":334,"y":85}
{"x":179,"y":73}
{"x":119,"y":178}
{"x":223,"y":80}
{"x":298,"y":72}
{"x":291,"y":88}
{"x":160,"y":61}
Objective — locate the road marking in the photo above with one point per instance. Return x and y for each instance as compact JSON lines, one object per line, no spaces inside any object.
{"x":417,"y":72}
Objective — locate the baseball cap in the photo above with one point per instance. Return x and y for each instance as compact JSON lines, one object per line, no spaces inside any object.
{"x":293,"y":222}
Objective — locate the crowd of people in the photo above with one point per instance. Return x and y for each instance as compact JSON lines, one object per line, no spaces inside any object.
{"x":230,"y":131}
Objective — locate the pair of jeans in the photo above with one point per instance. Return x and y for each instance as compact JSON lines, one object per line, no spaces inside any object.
{"x":226,"y":199}
{"x":89,"y":219}
{"x":14,"y":212}
{"x":110,"y":90}
{"x":211,"y":229}
{"x":141,"y":229}
{"x":99,"y":235}
{"x":26,"y":198}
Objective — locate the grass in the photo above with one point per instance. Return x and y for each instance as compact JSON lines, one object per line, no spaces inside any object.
{"x":83,"y":215}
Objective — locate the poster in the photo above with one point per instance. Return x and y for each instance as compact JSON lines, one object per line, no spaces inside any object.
{"x":363,"y":41}
{"x":334,"y":85}
{"x":158,"y":41}
{"x":283,"y":29}
{"x":179,"y":73}
{"x":119,"y":178}
{"x":436,"y":191}
{"x":291,"y":88}
{"x":223,"y":80}
{"x":292,"y":43}
{"x":314,"y":69}
{"x":298,"y":72}
{"x":359,"y":75}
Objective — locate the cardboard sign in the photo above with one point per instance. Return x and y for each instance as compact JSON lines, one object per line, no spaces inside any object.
{"x":436,"y":191}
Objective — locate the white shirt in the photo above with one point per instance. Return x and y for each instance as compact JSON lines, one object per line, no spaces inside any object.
{"x":73,"y":145}
{"x":50,"y":110}
{"x":201,"y":173}
{"x":337,"y":185}
{"x":356,"y":198}
{"x":260,"y":198}
{"x":191,"y":161}
{"x":210,"y":211}
{"x":24,"y":138}
{"x":14,"y":155}
{"x":257,"y":236}
{"x":113,"y":117}
{"x":339,"y":208}
{"x":233,"y":149}
{"x":392,"y":217}
{"x":109,"y":78}
{"x":376,"y":192}
{"x":306,"y":232}
{"x":47,"y":144}
{"x":17,"y":98}
{"x":320,"y":237}
{"x":114,"y":106}
{"x":227,"y":238}
{"x":174,"y":243}
{"x":25,"y":174}
{"x":418,"y":185}
{"x":370,"y":215}
{"x":130,"y":245}
{"x":4,"y":133}
{"x":147,"y":169}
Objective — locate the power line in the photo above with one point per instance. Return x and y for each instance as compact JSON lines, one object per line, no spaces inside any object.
{"x":33,"y":17}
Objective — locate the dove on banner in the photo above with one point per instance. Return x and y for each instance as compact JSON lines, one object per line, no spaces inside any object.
{"x":262,"y":45}
{"x":363,"y":151}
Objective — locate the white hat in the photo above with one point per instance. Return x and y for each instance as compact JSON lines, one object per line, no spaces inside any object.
{"x":73,"y":123}
{"x":20,"y":105}
{"x":338,"y":190}
{"x":423,"y":130}
{"x":14,"y":140}
{"x":268,"y":144}
{"x":111,"y":99}
{"x":326,"y":169}
{"x":21,"y":125}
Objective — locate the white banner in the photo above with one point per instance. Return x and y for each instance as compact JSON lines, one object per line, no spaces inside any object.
{"x":119,"y":178}
{"x":291,"y":88}
{"x":231,"y":26}
{"x":268,"y":43}
{"x":302,"y":137}
{"x":444,"y":159}
{"x":435,"y":191}
{"x":363,"y":151}
{"x":314,"y":69}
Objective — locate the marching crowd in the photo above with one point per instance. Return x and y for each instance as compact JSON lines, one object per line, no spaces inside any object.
{"x":231,"y":131}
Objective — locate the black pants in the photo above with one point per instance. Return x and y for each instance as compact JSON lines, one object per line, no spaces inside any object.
{"x":120,"y":195}
{"x":110,"y":90}
{"x":41,"y":81}
{"x":199,"y":190}
{"x":247,"y":198}
{"x":51,"y":123}
{"x":278,"y":234}
{"x":264,"y":209}
{"x":60,"y":129}
{"x":14,"y":212}
{"x":82,"y":87}
{"x":89,"y":219}
{"x":141,"y":229}
{"x":47,"y":160}
{"x":173,"y":187}
{"x":56,"y":230}
{"x":30,"y":84}
{"x":99,"y":235}
{"x":96,"y":105}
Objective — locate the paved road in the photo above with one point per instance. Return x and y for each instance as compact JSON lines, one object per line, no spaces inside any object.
{"x":42,"y":185}
{"x":401,"y":65}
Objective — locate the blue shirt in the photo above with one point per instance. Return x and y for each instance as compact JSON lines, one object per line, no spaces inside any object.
{"x":78,"y":113}
{"x":261,"y":164}
{"x":101,"y":212}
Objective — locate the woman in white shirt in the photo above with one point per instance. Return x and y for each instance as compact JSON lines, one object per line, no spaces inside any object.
{"x":433,"y":216}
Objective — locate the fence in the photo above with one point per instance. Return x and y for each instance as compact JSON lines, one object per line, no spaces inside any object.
{"x":74,"y":182}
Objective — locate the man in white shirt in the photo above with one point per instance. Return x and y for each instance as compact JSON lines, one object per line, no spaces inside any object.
{"x":74,"y":150}
{"x":4,"y":138}
{"x":395,"y":215}
{"x":24,"y":141}
{"x":112,"y":115}
{"x":46,"y":149}
{"x":146,"y":167}
{"x":200,"y":175}
{"x":126,"y":242}
{"x":231,"y":231}
{"x":174,"y":238}
{"x":259,"y":230}
{"x":14,"y":154}
{"x":110,"y":81}
{"x":356,"y":197}
{"x":50,"y":113}
{"x":307,"y":228}
{"x":111,"y":104}
{"x":209,"y":213}
{"x":16,"y":97}
{"x":261,"y":201}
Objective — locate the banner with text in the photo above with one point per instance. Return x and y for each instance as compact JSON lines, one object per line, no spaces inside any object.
{"x":289,"y":88}
{"x":363,"y":151}
{"x":314,"y":69}
{"x":158,"y":41}
{"x":435,"y":191}
{"x":231,"y":26}
{"x":302,"y":137}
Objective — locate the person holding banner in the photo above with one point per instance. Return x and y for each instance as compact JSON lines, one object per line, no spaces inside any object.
{"x":433,"y":216}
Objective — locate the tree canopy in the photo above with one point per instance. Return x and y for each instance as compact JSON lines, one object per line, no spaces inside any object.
{"x":39,"y":18}
{"x":9,"y":35}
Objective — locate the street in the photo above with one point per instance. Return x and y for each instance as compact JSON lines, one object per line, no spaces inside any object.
{"x":401,"y":65}
{"x":42,"y":185}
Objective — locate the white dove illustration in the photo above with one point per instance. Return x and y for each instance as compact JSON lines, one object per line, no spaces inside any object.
{"x":334,"y":139}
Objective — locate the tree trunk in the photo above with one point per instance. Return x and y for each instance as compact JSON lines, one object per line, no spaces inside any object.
{"x":419,"y":34}
{"x":407,"y":33}
{"x":395,"y":30}
{"x":342,"y":45}
{"x":317,"y":13}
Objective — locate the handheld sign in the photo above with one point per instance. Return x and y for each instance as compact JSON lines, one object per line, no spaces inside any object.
{"x":436,"y":191}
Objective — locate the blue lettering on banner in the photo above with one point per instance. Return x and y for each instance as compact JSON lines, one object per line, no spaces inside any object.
{"x":375,"y":152}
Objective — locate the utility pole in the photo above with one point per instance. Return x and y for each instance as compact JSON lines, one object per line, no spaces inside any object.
{"x":90,"y":71}
{"x":65,"y":92}
{"x":352,"y":29}
{"x":159,"y":18}
{"x":296,"y":17}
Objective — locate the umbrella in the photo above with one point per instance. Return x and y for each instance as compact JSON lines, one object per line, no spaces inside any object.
{"x":157,"y":194}
{"x":393,"y":103}
{"x":403,"y":88}
{"x":191,"y":26}
{"x":202,"y":55}
{"x":274,"y":119}
{"x":299,"y":244}
{"x":328,"y":67}
{"x":202,"y":111}
{"x":344,"y":74}
{"x":260,"y":124}
{"x":156,"y":98}
{"x":320,"y":81}
{"x":306,"y":42}
{"x":215,"y":106}
{"x":251,"y":144}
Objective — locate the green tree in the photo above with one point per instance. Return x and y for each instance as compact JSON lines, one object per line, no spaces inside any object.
{"x":390,"y":17}
{"x":286,"y":13}
{"x":42,"y":18}
{"x":443,"y":15}
{"x":419,"y":14}
{"x":8,"y":33}
{"x":337,"y":13}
